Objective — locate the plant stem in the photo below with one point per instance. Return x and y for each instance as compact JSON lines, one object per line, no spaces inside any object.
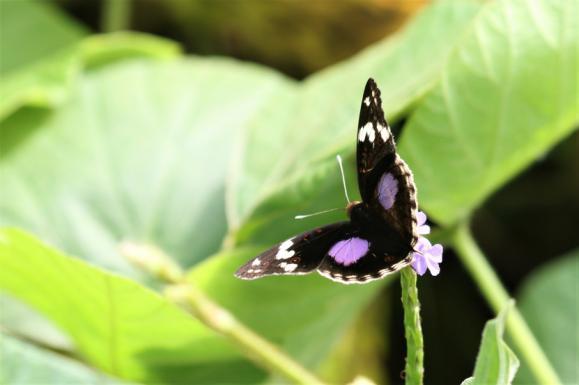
{"x":153,"y":260}
{"x":412,"y":328}
{"x":497,"y":297}
{"x":115,"y":15}
{"x":261,"y":351}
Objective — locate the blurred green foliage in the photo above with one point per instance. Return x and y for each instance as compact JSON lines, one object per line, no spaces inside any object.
{"x":118,"y":137}
{"x":549,"y":301}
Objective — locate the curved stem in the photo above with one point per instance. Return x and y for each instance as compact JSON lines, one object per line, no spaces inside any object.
{"x":265,"y":354}
{"x":412,"y":328}
{"x":497,"y":297}
{"x":258,"y":349}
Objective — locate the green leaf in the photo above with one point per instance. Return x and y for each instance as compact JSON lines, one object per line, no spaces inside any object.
{"x":49,"y":82}
{"x":139,"y":152}
{"x":548,"y":300}
{"x":25,"y":364}
{"x":496,"y":364}
{"x":31,"y":30}
{"x":116,"y":324}
{"x":506,"y":96}
{"x":318,"y":118}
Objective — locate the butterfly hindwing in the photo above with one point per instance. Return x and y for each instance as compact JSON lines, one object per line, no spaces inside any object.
{"x":297,"y":255}
{"x":385,"y":181}
{"x":375,"y":264}
{"x":369,"y":250}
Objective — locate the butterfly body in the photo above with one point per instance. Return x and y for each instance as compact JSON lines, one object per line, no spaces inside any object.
{"x":381,"y":233}
{"x":372,"y":226}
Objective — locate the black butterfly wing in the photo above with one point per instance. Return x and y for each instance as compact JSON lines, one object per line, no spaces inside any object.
{"x":301,"y":254}
{"x":363,"y":255}
{"x":385,"y":181}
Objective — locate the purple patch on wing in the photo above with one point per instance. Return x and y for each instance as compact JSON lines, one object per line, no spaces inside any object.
{"x":348,"y":251}
{"x":387,"y":190}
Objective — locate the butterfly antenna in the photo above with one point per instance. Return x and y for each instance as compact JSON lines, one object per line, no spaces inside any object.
{"x":319,"y":212}
{"x":339,"y":158}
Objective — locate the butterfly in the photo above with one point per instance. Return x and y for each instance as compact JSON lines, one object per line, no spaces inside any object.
{"x":380,"y":236}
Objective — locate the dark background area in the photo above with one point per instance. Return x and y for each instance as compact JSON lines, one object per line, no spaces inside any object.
{"x":519,"y":231}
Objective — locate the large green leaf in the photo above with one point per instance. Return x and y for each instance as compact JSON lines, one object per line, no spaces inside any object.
{"x":139,"y":152}
{"x":25,"y":364}
{"x":31,"y":30}
{"x":507,"y":94}
{"x":319,"y":117}
{"x":116,"y":324}
{"x":549,"y":301}
{"x":496,"y":364}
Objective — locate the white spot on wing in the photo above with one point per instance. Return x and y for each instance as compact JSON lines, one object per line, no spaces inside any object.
{"x":367,"y":130}
{"x":367,"y":101}
{"x":284,"y":254}
{"x":384,"y":132}
{"x":283,"y":251}
{"x":290,"y":267}
{"x":256,"y":262}
{"x":286,"y":244}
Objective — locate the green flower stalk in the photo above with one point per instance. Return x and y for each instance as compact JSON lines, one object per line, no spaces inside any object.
{"x":412,"y":328}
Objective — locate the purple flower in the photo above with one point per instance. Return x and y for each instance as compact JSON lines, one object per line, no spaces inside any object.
{"x":422,"y":227}
{"x":426,"y":255}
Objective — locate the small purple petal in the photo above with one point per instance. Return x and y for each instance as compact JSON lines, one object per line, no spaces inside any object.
{"x":432,"y":267}
{"x":387,"y":190}
{"x":420,"y":218}
{"x":422,"y":245}
{"x":420,"y":221}
{"x":419,"y":264}
{"x":424,"y":229}
{"x":435,"y":253}
{"x":348,"y":251}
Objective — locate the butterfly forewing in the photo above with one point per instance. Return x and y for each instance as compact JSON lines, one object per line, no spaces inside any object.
{"x":374,"y":139}
{"x":297,"y":255}
{"x":385,"y":181}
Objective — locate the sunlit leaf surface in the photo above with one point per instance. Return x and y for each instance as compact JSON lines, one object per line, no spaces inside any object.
{"x":139,"y":152}
{"x":507,"y":94}
{"x":116,"y":324}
